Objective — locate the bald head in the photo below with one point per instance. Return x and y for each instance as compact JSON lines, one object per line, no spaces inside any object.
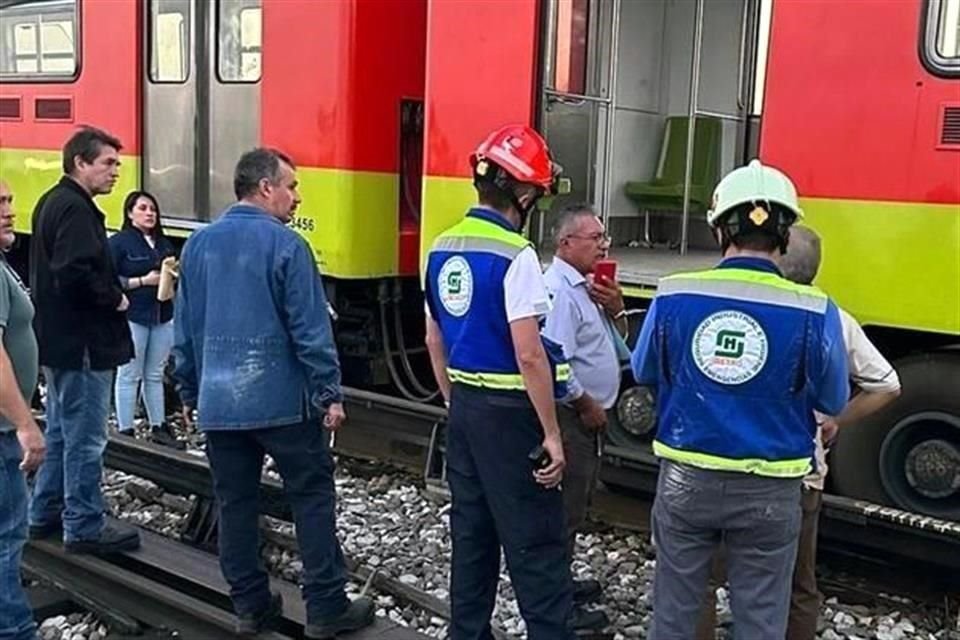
{"x":802,"y":260}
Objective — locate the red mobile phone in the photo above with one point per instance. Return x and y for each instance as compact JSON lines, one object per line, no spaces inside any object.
{"x":605,"y":270}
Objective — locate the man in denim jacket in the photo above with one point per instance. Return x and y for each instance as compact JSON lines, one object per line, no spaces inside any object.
{"x":255,"y":355}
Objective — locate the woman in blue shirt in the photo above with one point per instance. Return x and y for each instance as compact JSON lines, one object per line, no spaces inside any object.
{"x":138,"y":251}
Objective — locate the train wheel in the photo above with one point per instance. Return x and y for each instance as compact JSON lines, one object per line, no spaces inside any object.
{"x":908,"y":455}
{"x":635,"y":419}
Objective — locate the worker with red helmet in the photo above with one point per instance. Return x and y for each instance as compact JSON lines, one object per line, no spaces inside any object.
{"x":486,"y":298}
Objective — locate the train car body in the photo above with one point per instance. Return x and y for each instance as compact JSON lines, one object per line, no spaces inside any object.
{"x":645,"y":104}
{"x":186,"y":86}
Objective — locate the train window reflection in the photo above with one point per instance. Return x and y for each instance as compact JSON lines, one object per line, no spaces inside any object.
{"x":170,"y":40}
{"x":39,"y":39}
{"x":239,"y":40}
{"x":948,"y":36}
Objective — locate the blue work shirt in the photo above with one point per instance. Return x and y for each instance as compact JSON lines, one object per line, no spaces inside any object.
{"x":133,"y":257}
{"x":253,"y":342}
{"x":740,"y":358}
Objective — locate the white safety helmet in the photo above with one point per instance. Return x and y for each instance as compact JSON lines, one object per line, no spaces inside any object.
{"x":754,"y":183}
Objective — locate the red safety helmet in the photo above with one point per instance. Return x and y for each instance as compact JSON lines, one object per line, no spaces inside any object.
{"x":521,"y":152}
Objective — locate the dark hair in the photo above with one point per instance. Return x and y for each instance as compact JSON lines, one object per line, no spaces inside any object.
{"x":756,"y":241}
{"x":256,"y":165}
{"x":86,"y":143}
{"x":131,"y":201}
{"x":492,"y":196}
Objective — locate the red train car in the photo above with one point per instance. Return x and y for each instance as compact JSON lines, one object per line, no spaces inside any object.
{"x":647,"y":104}
{"x":188,"y":85}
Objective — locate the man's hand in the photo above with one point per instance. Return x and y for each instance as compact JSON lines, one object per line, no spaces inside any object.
{"x":334,"y":417}
{"x":607,"y":294}
{"x":829,"y":429}
{"x":124,"y":303}
{"x":152,"y":279}
{"x":551,"y":475}
{"x":33,"y":445}
{"x":593,"y":416}
{"x":187,"y":415}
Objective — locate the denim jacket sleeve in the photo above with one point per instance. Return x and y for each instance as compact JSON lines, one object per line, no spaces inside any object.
{"x":308,"y":323}
{"x":184,"y":352}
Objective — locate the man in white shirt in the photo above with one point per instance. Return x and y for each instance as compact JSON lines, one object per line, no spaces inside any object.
{"x":586,"y":317}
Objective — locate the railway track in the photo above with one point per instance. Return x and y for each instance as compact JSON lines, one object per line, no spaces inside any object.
{"x":405,"y":434}
{"x":169,"y":586}
{"x":183,"y":588}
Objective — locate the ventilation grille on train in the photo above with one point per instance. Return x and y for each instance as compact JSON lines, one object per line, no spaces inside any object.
{"x":10,"y":108}
{"x":950,"y":129}
{"x":54,"y":109}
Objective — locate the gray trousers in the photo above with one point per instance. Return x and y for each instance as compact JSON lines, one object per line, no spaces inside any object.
{"x":581,"y":472}
{"x":758,"y":521}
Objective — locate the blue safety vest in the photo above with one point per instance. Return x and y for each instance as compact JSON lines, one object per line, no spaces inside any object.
{"x":464,"y":290}
{"x":740,"y":358}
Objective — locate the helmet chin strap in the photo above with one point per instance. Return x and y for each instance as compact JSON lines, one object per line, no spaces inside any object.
{"x":524,"y":212}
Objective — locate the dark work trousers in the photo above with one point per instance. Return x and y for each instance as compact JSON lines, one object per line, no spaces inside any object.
{"x":580,"y":475}
{"x":804,"y":598}
{"x":302,"y":454}
{"x":497,"y":502}
{"x":757,"y":519}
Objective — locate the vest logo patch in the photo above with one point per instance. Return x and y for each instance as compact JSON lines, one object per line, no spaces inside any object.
{"x":730,"y":347}
{"x":455,"y":286}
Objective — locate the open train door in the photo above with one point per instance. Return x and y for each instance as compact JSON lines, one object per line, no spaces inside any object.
{"x":201,"y":102}
{"x":646,"y":105}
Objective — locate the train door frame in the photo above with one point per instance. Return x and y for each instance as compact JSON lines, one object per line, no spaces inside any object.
{"x":195,"y":125}
{"x":601,"y":94}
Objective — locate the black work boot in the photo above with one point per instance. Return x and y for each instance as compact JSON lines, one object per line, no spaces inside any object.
{"x":584,"y":620}
{"x":586,"y":591}
{"x":165,"y":436}
{"x":250,"y":624}
{"x":44,"y":531}
{"x":358,"y":614}
{"x":114,"y":538}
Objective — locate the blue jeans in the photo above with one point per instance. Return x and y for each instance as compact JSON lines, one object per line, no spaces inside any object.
{"x":68,"y":483}
{"x":303,"y":458}
{"x":152,"y":346}
{"x":16,"y":617}
{"x":497,"y":503}
{"x":758,"y":521}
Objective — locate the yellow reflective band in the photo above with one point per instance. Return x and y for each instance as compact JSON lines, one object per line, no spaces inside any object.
{"x":773,"y":468}
{"x":478,"y":228}
{"x":751,"y":276}
{"x":505,"y":381}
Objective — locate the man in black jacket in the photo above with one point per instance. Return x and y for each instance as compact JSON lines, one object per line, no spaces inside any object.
{"x":83,"y":336}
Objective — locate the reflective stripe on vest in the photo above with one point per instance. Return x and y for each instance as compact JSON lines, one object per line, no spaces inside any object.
{"x":746,"y":285}
{"x":502,"y":381}
{"x":796,"y":468}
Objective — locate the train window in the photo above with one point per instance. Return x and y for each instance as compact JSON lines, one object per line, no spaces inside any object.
{"x":941,"y":45}
{"x":38,"y":41}
{"x":239,"y":42}
{"x":170,"y":40}
{"x":570,"y":71}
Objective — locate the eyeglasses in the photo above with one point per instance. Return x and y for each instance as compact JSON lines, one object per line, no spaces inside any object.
{"x":6,"y":199}
{"x":594,"y":237}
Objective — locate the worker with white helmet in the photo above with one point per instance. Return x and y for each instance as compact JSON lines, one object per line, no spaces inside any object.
{"x":740,"y":358}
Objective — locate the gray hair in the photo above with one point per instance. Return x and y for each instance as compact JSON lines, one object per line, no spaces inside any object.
{"x":256,"y":165}
{"x":802,"y":260}
{"x":569,"y":217}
